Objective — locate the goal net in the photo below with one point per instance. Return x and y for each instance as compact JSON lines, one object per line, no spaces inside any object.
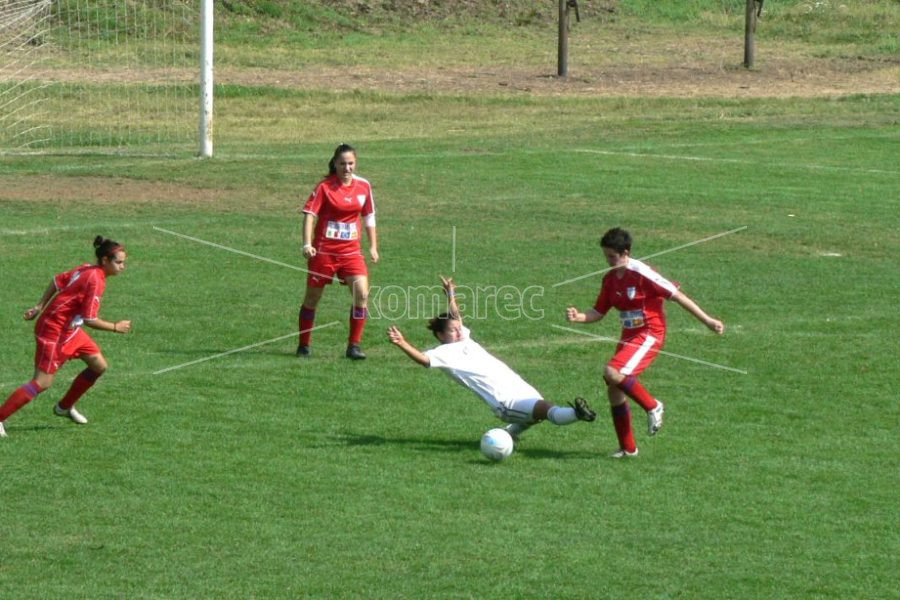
{"x":98,"y":75}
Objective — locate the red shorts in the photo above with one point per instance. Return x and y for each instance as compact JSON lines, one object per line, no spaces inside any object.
{"x":324,"y":267}
{"x":52,"y":353}
{"x":635,"y":352}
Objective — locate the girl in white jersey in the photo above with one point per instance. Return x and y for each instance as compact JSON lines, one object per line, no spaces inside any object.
{"x":509,"y":397}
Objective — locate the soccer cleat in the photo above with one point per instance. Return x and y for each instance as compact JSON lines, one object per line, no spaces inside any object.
{"x":2,"y":430}
{"x":71,"y":413}
{"x":303,"y":350}
{"x":655,"y":418}
{"x":354,"y":352}
{"x":582,"y":411}
{"x":622,"y":453}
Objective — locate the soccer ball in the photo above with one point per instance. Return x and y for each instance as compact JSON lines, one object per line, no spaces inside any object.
{"x":496,"y":444}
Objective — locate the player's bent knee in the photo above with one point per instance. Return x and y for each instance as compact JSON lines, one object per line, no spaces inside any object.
{"x":612,"y":375}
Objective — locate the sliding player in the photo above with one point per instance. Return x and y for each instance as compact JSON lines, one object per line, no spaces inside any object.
{"x":71,"y":300}
{"x":510,"y":397}
{"x":637,"y":292}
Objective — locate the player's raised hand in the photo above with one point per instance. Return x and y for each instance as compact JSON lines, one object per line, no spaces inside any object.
{"x":32,"y":313}
{"x":572,"y":314}
{"x":448,"y":284}
{"x":395,"y":335}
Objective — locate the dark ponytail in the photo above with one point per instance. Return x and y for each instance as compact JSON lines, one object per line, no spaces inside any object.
{"x":337,"y":153}
{"x":105,"y":248}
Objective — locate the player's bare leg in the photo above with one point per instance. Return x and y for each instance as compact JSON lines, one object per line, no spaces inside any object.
{"x":96,"y":366}
{"x":631,"y":387}
{"x":23,"y":395}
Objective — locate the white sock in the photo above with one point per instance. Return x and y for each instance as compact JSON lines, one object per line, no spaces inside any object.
{"x":562,"y":415}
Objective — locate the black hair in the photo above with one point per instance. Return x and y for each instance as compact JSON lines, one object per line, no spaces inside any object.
{"x":105,"y":248}
{"x":439,"y":324}
{"x":616,"y":239}
{"x":337,"y":153}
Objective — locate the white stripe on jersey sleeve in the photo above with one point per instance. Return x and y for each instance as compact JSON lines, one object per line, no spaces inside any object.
{"x":645,"y":271}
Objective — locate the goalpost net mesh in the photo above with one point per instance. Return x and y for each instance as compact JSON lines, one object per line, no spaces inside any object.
{"x":99,"y":75}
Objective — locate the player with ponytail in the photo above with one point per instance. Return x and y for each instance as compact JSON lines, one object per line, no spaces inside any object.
{"x":334,"y":215}
{"x":70,"y":301}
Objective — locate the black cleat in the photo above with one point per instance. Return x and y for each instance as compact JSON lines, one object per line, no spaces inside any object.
{"x":303,"y":351}
{"x":354,"y":352}
{"x":582,"y":411}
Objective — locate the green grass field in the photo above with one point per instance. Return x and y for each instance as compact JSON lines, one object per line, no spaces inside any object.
{"x":257,"y":475}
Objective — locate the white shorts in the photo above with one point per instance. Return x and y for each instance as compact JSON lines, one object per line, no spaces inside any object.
{"x":516,"y":411}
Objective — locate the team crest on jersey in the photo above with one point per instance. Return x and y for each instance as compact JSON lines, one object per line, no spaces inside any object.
{"x":631,"y":292}
{"x":361,"y":198}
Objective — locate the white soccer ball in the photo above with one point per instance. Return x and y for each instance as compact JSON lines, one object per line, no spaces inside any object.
{"x":497,"y":444}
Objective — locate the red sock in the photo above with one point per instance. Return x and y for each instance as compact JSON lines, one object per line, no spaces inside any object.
{"x":621,"y":416}
{"x":306,"y":320}
{"x":19,"y":398}
{"x":80,"y":385}
{"x":634,"y":390}
{"x":358,"y":318}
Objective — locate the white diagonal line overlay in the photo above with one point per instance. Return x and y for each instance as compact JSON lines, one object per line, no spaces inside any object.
{"x":221,"y":354}
{"x":603,"y":338}
{"x":601,"y":271}
{"x":262,"y":258}
{"x":453,"y":259}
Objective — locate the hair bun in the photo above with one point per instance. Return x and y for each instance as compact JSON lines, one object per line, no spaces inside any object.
{"x":98,"y":241}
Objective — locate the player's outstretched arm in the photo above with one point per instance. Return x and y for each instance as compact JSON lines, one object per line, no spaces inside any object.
{"x":450,"y":290}
{"x":691,"y":306}
{"x":573,"y":315}
{"x":396,"y":338}
{"x":45,"y":299}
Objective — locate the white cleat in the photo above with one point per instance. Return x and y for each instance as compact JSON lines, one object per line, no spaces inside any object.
{"x":655,"y":418}
{"x":71,"y":413}
{"x":2,"y":430}
{"x":622,"y":453}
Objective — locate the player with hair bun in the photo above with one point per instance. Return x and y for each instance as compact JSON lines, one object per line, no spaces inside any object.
{"x":331,"y":244}
{"x":638,"y":293}
{"x":71,"y":300}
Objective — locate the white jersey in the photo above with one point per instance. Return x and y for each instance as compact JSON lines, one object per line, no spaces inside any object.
{"x":471,"y":365}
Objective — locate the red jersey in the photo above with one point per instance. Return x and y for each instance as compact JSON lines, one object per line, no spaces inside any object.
{"x":338,"y":208}
{"x":638,"y":296}
{"x":78,"y":298}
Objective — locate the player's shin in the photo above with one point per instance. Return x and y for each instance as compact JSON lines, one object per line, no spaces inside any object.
{"x":306,"y":321}
{"x":358,"y":317}
{"x":81,"y":384}
{"x":637,"y":392}
{"x":621,"y":416}
{"x":19,"y":398}
{"x":562,"y":415}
